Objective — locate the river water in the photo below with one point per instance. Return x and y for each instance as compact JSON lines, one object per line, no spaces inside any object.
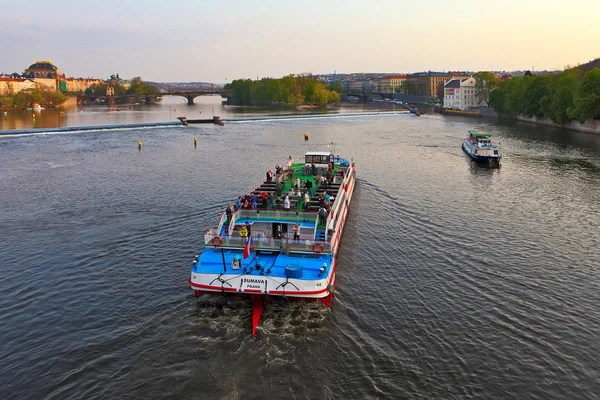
{"x":455,"y":280}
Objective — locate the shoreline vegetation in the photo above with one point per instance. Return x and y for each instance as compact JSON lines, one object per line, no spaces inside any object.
{"x":29,"y":97}
{"x":570,"y":96}
{"x":296,"y":90}
{"x":46,"y":97}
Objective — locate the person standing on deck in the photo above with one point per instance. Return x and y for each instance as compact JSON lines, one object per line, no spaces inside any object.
{"x":322,"y":216}
{"x":296,"y":232}
{"x":269,"y":176}
{"x":286,"y":202}
{"x":277,"y":233}
{"x":270,"y":198}
{"x":253,"y":202}
{"x":238,"y":203}
{"x":298,"y":183}
{"x":278,"y":188}
{"x":306,"y":204}
{"x":228,"y":214}
{"x":249,"y":229}
{"x":309,"y":186}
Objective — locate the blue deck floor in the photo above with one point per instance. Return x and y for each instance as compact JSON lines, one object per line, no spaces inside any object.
{"x":211,"y":262}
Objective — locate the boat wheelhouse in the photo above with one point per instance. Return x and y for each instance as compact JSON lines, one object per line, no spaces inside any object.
{"x":478,"y":146}
{"x":280,"y":239}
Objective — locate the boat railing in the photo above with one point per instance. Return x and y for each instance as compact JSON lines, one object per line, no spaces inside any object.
{"x":278,"y":215}
{"x":222,"y":220}
{"x":260,"y":241}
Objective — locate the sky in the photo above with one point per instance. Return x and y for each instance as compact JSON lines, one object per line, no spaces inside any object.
{"x":219,"y":41}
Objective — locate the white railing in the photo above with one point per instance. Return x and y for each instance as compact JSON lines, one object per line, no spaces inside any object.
{"x":222,"y":221}
{"x":279,"y":215}
{"x":265,"y":243}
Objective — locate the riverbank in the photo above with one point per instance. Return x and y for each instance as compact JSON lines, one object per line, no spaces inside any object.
{"x":592,"y":126}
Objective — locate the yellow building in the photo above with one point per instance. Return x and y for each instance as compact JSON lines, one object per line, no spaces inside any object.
{"x":79,"y":84}
{"x":14,"y":85}
{"x":429,"y":83}
{"x":389,"y":83}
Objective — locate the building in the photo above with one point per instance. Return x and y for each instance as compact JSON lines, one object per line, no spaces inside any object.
{"x":460,"y":94}
{"x":76,"y":85}
{"x":10,"y":85}
{"x":389,"y":83}
{"x":429,"y":83}
{"x":44,"y":73}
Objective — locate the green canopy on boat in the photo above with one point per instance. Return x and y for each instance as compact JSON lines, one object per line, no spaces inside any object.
{"x":479,"y":134}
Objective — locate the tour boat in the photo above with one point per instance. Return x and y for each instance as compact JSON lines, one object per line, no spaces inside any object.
{"x":479,"y":147}
{"x":283,"y":250}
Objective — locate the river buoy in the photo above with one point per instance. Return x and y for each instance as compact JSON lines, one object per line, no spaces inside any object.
{"x":195,"y":144}
{"x":139,"y":144}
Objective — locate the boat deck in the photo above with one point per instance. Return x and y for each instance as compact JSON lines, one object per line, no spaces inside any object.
{"x":273,"y":264}
{"x":288,"y":186}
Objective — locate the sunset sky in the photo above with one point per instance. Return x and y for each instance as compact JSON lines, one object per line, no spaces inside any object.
{"x":218,"y":41}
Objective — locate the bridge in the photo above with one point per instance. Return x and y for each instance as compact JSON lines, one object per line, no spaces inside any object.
{"x":190,"y":95}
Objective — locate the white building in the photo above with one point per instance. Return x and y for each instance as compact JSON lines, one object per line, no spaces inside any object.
{"x":460,"y":94}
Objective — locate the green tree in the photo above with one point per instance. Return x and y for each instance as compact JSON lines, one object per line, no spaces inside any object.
{"x":406,"y":87}
{"x":485,"y":82}
{"x":536,"y":88}
{"x":587,"y":100}
{"x":336,"y":87}
{"x":498,"y":99}
{"x":559,"y":102}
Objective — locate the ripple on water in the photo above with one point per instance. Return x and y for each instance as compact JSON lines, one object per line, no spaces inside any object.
{"x":454,"y":280}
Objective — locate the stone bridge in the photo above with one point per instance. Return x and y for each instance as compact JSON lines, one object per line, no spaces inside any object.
{"x":148,"y":98}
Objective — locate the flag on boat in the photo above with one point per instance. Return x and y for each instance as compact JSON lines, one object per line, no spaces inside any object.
{"x":248,"y":247}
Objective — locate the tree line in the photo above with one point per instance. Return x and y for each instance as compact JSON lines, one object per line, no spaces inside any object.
{"x":138,"y":86}
{"x":39,"y":94}
{"x":572,"y":95}
{"x":291,"y":89}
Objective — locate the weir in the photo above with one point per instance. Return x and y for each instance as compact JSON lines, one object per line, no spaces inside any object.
{"x":89,"y":128}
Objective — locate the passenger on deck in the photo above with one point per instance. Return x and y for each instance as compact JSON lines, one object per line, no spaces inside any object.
{"x":298,"y":183}
{"x":277,"y":233}
{"x":269,"y":176}
{"x":271,"y":198}
{"x":228,"y":214}
{"x":321,"y":202}
{"x":286,"y":202}
{"x":322,"y":216}
{"x":253,"y":202}
{"x":296,"y":232}
{"x":326,"y":196}
{"x":264,"y":201}
{"x":248,"y":228}
{"x":309,"y":186}
{"x":278,"y":188}
{"x":238,"y":203}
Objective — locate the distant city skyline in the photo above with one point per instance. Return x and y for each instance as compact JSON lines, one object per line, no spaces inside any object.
{"x":218,"y":42}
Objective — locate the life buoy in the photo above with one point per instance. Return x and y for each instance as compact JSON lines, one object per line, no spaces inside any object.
{"x":217,"y":241}
{"x":318,"y":248}
{"x":243,"y":232}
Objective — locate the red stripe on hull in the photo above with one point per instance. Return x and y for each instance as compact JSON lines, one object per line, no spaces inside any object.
{"x":219,"y":288}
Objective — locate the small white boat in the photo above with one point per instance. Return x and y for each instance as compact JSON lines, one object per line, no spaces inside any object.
{"x":479,"y":147}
